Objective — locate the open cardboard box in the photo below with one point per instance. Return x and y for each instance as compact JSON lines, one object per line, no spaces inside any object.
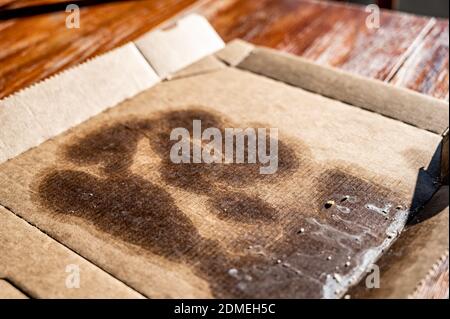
{"x":86,"y":182}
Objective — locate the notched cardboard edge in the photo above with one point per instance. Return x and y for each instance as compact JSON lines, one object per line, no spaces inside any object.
{"x":444,"y":158}
{"x":106,"y":285}
{"x":437,"y":269}
{"x":50,"y":107}
{"x":401,"y":104}
{"x":47,"y":108}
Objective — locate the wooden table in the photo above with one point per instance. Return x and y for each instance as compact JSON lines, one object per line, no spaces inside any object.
{"x":408,"y":51}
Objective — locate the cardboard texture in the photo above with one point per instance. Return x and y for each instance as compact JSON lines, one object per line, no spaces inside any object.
{"x":226,"y":232}
{"x":79,"y":93}
{"x":404,"y":105}
{"x":414,"y":254}
{"x":40,"y":267}
{"x":205,"y":65}
{"x":235,"y":52}
{"x":8,"y":291}
{"x":74,"y":95}
{"x":107,"y":190}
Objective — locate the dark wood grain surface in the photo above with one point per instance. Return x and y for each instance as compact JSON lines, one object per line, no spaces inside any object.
{"x":8,"y":4}
{"x":329,"y":34}
{"x":426,"y":69}
{"x":408,"y":51}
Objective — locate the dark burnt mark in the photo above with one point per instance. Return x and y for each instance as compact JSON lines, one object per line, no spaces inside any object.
{"x":242,"y":208}
{"x":243,"y":175}
{"x":345,"y":198}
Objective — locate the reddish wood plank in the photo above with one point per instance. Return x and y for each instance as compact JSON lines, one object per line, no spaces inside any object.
{"x":328,"y":33}
{"x":34,"y":48}
{"x":427,"y":69}
{"x":13,"y":4}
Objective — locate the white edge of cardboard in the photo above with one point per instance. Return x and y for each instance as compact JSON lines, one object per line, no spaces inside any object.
{"x":42,"y":111}
{"x":171,"y":49}
{"x":50,"y":107}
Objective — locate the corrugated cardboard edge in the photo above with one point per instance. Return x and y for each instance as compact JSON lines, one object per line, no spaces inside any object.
{"x":50,"y":107}
{"x":58,"y":103}
{"x":8,"y":291}
{"x":426,"y":288}
{"x":401,"y":104}
{"x":241,"y":54}
{"x":39,"y":266}
{"x":54,"y":105}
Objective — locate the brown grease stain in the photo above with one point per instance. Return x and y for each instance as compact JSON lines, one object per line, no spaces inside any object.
{"x":135,"y":210}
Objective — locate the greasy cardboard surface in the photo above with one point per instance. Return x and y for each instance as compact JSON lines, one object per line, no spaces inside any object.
{"x":106,"y":190}
{"x":40,"y":267}
{"x":424,"y":241}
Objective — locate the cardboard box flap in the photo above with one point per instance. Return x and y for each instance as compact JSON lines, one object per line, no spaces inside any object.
{"x":60,"y":102}
{"x":225,"y":230}
{"x":43,"y":268}
{"x":8,"y":291}
{"x":175,"y":47}
{"x":401,"y":104}
{"x":235,"y":51}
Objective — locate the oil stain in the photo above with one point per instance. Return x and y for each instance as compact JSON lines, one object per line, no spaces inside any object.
{"x":135,"y":210}
{"x":126,"y":206}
